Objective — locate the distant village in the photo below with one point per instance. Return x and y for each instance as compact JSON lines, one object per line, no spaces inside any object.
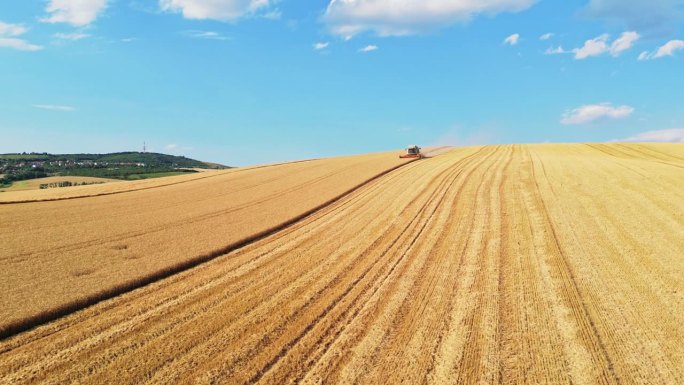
{"x":124,"y":165}
{"x":6,"y":164}
{"x":28,"y":169}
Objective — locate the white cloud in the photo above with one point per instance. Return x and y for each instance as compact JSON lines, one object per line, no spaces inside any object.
{"x":19,"y":44}
{"x":624,"y":42}
{"x":369,"y":48}
{"x":320,"y":45}
{"x":221,"y":10}
{"x":9,"y":39}
{"x":78,"y":13}
{"x":593,"y":112}
{"x":668,"y":49}
{"x":396,"y":18}
{"x":593,"y":47}
{"x":513,"y":39}
{"x":675,"y":135}
{"x":211,"y":35}
{"x":600,"y":45}
{"x":171,"y":147}
{"x":555,"y":51}
{"x":546,"y":36}
{"x":53,"y":107}
{"x":71,"y":36}
{"x":12,"y":29}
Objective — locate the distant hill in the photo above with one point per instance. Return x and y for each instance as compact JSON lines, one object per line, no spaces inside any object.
{"x":120,"y":165}
{"x":150,"y":158}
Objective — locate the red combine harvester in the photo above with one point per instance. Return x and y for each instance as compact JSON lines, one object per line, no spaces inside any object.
{"x":412,"y":152}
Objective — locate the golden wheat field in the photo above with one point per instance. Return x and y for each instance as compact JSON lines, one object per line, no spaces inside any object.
{"x":60,"y":255}
{"x":538,"y":264}
{"x":111,"y":189}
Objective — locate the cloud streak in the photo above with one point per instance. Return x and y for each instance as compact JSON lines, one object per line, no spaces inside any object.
{"x":220,"y":10}
{"x":55,"y":107}
{"x":555,"y":51}
{"x":670,"y":136}
{"x":369,"y":48}
{"x":210,"y":35}
{"x":9,"y":38}
{"x":75,"y":36}
{"x":348,"y":18}
{"x":590,"y":113}
{"x":513,"y":39}
{"x":623,"y":43}
{"x":668,"y":49}
{"x":12,"y":29}
{"x":321,"y":45}
{"x":19,"y":44}
{"x":601,"y":45}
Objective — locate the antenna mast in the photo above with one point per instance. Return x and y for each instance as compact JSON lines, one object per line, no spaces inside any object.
{"x":144,"y":147}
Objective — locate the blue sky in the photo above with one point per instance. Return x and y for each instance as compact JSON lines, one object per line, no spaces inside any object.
{"x":257,"y":81}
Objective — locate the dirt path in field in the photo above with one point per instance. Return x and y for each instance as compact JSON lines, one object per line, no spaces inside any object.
{"x":488,"y":265}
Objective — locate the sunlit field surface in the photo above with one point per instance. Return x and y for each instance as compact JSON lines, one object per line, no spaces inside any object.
{"x":483,"y":265}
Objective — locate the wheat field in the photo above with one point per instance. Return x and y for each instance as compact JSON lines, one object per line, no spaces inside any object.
{"x":73,"y":250}
{"x":557,"y":264}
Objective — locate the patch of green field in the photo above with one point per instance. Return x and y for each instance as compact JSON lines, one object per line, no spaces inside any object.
{"x":7,"y":186}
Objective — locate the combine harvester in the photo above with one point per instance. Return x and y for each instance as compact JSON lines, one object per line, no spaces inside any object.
{"x":412,"y":151}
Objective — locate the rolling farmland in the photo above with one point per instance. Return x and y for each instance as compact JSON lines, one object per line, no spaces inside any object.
{"x":65,"y":253}
{"x":496,"y":264}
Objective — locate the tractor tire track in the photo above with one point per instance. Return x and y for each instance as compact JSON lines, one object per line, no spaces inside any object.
{"x":476,"y":266}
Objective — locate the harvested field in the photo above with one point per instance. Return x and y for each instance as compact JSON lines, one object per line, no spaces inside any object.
{"x":58,"y":256}
{"x":109,"y":189}
{"x":485,"y":265}
{"x":34,"y":184}
{"x":53,"y":194}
